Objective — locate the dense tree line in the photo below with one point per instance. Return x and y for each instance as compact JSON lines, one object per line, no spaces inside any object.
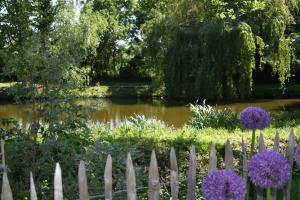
{"x":189,"y":48}
{"x":211,"y":48}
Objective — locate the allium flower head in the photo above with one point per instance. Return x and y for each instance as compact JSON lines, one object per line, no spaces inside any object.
{"x":254,"y":118}
{"x":297,"y":155}
{"x":223,"y":185}
{"x":269,"y":169}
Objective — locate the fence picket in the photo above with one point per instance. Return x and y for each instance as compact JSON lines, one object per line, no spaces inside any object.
{"x":32,"y":188}
{"x":174,"y":175}
{"x":212,"y":165}
{"x":276,"y":142}
{"x":261,"y":143}
{"x":261,"y":147}
{"x":153,"y":184}
{"x":244,"y":162}
{"x":290,"y":156}
{"x":229,"y":163}
{"x":108,"y":178}
{"x":131,"y":181}
{"x":191,"y":193}
{"x":58,"y":187}
{"x":82,"y":182}
{"x":275,"y":148}
{"x":6,"y":193}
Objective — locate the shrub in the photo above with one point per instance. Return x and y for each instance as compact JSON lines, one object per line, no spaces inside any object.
{"x":142,"y":122}
{"x":205,"y":116}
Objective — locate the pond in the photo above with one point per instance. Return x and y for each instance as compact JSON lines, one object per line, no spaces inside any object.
{"x":172,"y":112}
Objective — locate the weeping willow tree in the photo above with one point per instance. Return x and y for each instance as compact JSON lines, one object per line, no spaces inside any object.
{"x":209,"y":49}
{"x":227,"y":60}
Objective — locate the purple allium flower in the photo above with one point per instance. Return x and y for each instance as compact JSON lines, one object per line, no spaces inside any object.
{"x":297,"y":155}
{"x":269,"y":169}
{"x":254,"y":118}
{"x":223,"y":185}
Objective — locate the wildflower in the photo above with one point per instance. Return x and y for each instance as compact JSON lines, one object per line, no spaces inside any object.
{"x":254,"y":118}
{"x":223,"y":185}
{"x":269,"y":169}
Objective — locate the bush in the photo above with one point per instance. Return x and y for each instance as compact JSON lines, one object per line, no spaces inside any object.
{"x":142,"y":122}
{"x":205,"y":116}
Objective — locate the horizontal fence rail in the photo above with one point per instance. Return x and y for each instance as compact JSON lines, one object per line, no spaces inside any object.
{"x":153,"y":176}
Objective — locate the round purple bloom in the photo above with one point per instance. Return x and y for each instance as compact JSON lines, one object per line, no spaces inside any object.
{"x":269,"y":169}
{"x":254,"y":118}
{"x":223,"y":185}
{"x":297,"y":155}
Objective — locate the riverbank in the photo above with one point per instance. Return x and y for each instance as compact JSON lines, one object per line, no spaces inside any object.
{"x":145,"y":90}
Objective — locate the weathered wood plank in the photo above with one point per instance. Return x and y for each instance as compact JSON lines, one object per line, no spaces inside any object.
{"x":82,"y":182}
{"x":3,"y":153}
{"x":174,"y":175}
{"x":191,"y":181}
{"x":33,"y":195}
{"x":58,"y":187}
{"x":131,"y":180}
{"x":261,"y":143}
{"x":212,"y":165}
{"x":153,"y":181}
{"x":261,"y":147}
{"x":290,"y":156}
{"x":273,"y":194}
{"x":276,"y":142}
{"x":6,"y":193}
{"x":244,"y":162}
{"x":108,"y":178}
{"x":229,"y":160}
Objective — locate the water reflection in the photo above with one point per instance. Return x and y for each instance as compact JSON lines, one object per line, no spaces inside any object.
{"x":116,"y":110}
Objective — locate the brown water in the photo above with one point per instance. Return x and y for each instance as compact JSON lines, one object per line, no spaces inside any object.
{"x":173,"y":113}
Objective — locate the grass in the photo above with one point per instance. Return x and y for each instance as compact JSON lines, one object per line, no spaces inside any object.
{"x":144,"y":139}
{"x":138,"y":136}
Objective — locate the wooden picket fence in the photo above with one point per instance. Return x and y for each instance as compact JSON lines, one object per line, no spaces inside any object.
{"x":153,"y":181}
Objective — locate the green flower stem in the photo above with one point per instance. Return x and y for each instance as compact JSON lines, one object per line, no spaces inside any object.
{"x":268,"y":194}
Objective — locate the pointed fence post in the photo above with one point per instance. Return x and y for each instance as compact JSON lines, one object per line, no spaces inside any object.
{"x":212,"y":165}
{"x":82,"y":182}
{"x":131,"y":181}
{"x":153,"y":182}
{"x":6,"y":193}
{"x":261,"y":147}
{"x":174,"y":175}
{"x":276,"y":142}
{"x":108,"y":178}
{"x":191,"y":194}
{"x":32,"y":188}
{"x":3,"y":153}
{"x":245,"y":167}
{"x":261,"y":143}
{"x":229,"y":163}
{"x":58,"y":188}
{"x":273,"y":194}
{"x":290,"y":156}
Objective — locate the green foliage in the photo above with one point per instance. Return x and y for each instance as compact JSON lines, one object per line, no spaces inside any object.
{"x":141,"y":122}
{"x":212,"y":47}
{"x":72,"y":144}
{"x":205,"y":116}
